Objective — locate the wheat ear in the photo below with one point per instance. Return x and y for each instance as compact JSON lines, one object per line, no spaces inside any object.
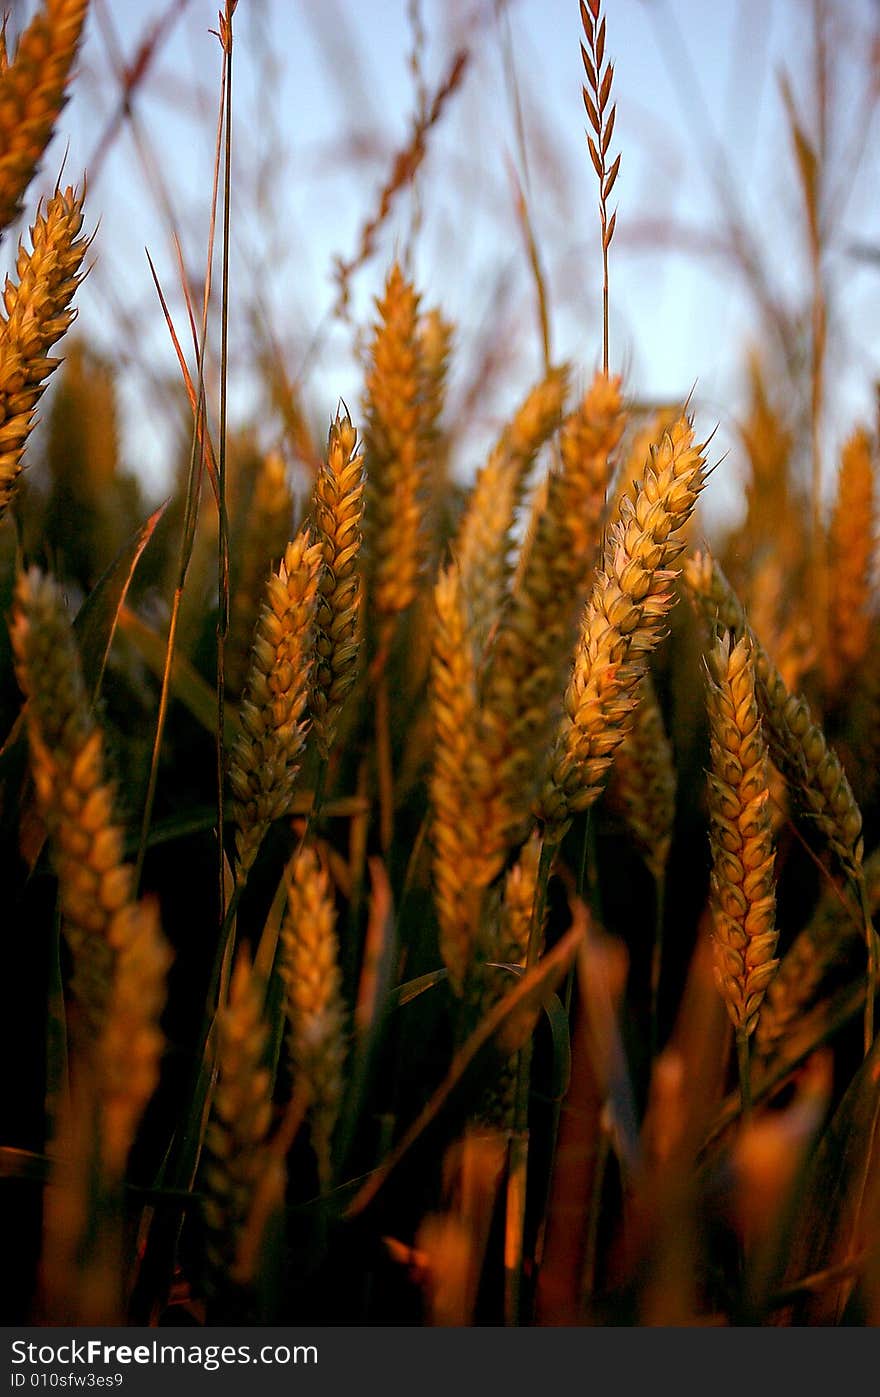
{"x":642,"y":784}
{"x":131,"y":1046}
{"x":32,"y":93}
{"x":622,"y":623}
{"x":119,"y":956}
{"x":482,"y":544}
{"x":596,"y":95}
{"x":827,"y":940}
{"x":265,"y":532}
{"x":467,"y":851}
{"x":799,"y":749}
{"x":394,"y":447}
{"x":315,"y":1009}
{"x":241,"y":1113}
{"x":338,"y":514}
{"x":37,"y":313}
{"x":797,"y":744}
{"x":742,"y":883}
{"x":66,"y":748}
{"x":851,"y":556}
{"x":267,"y":754}
{"x":537,"y":629}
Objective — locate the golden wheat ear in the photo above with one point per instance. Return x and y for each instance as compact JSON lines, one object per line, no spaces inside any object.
{"x":32,"y":92}
{"x":851,"y":548}
{"x":338,"y":514}
{"x":536,"y":631}
{"x":394,"y":446}
{"x":241,"y":1114}
{"x":273,"y":721}
{"x":266,"y":528}
{"x":315,"y":1009}
{"x":623,"y":622}
{"x":37,"y":313}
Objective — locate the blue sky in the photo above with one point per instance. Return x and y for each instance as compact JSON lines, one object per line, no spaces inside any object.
{"x":323,"y":96}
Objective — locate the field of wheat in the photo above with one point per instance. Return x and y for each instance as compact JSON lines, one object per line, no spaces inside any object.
{"x":429,"y":900}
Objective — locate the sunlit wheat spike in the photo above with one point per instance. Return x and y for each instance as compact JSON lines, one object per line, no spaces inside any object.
{"x":637,"y":451}
{"x":851,"y":555}
{"x":536,"y":630}
{"x":642,"y":784}
{"x":435,"y":347}
{"x":75,"y":798}
{"x":132,"y":1043}
{"x":623,"y":621}
{"x":338,"y":514}
{"x":743,"y":887}
{"x":120,"y":958}
{"x":394,"y":447}
{"x":37,"y":312}
{"x":796,"y":743}
{"x":315,"y":1010}
{"x":600,"y":117}
{"x":265,"y":532}
{"x":466,"y":843}
{"x":482,"y":544}
{"x":32,"y":93}
{"x":241,"y":1113}
{"x":588,"y":442}
{"x":266,"y":757}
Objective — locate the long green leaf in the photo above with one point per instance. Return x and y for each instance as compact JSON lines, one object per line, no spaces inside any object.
{"x":97,"y":618}
{"x":187,"y":684}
